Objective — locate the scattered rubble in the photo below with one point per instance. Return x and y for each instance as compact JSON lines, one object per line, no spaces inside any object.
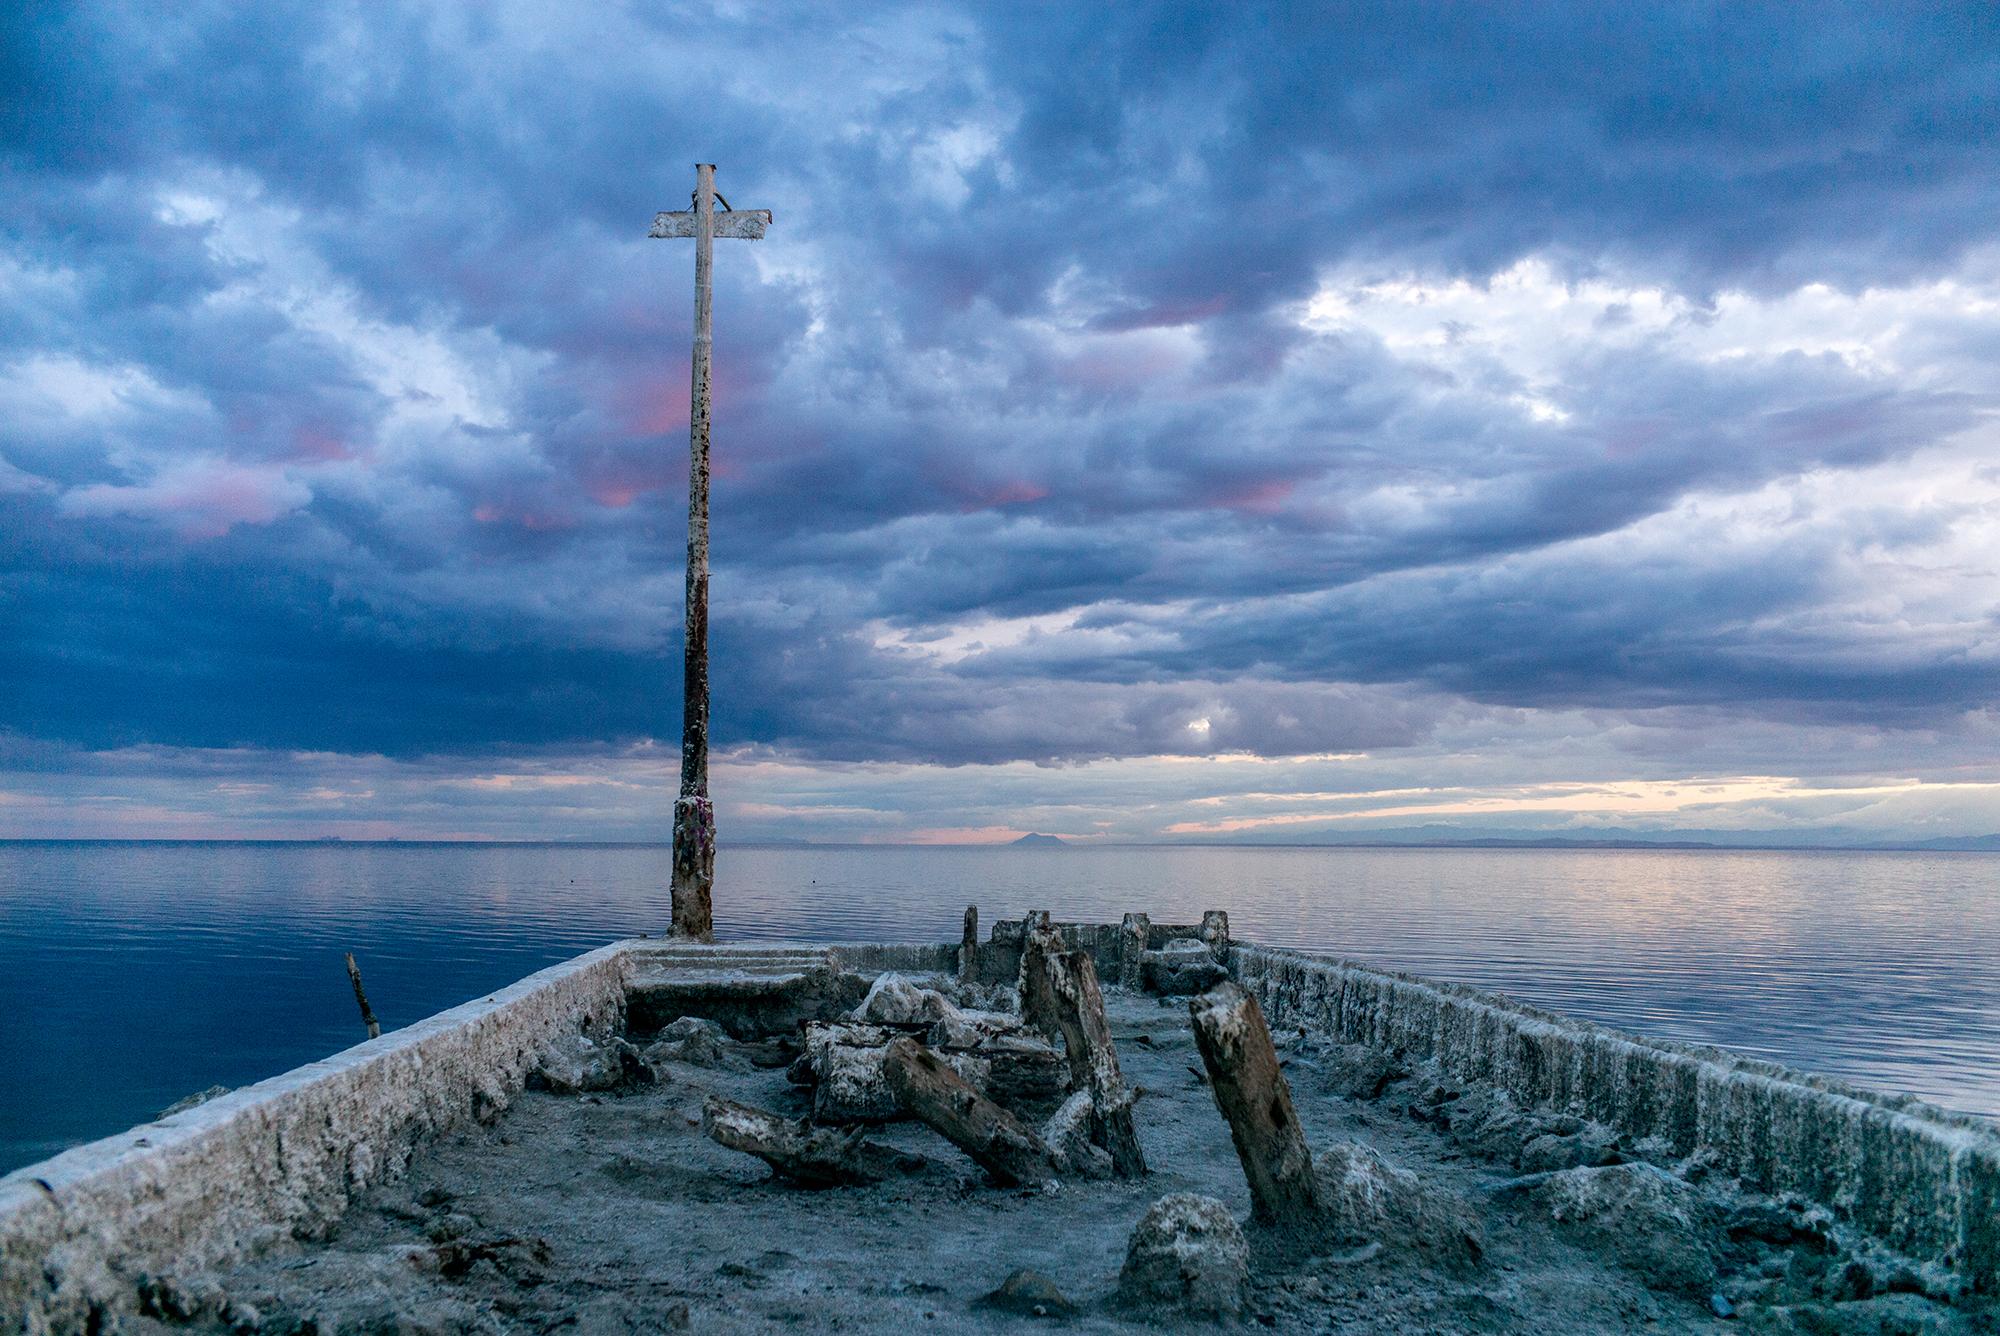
{"x":842,"y":1060}
{"x":894,"y":1000}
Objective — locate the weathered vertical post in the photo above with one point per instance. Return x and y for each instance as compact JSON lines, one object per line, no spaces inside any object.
{"x":1077,"y":1006}
{"x":1133,"y":934}
{"x":1256,"y":1102}
{"x":968,"y":947}
{"x":694,"y":814}
{"x":1214,"y":930}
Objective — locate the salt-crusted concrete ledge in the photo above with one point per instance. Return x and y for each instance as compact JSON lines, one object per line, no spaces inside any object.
{"x":1925,"y":1181}
{"x":280,"y":1158}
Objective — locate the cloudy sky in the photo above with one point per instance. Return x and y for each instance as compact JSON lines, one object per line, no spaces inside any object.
{"x":1141,"y":422}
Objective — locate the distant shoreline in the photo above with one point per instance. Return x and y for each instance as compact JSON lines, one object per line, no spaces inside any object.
{"x":1982,"y":844}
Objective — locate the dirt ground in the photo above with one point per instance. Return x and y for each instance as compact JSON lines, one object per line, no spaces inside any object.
{"x":613,"y":1213}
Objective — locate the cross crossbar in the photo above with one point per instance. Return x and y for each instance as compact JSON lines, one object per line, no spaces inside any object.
{"x":742,"y":224}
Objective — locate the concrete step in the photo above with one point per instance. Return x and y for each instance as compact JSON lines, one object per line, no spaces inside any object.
{"x":752,"y":991}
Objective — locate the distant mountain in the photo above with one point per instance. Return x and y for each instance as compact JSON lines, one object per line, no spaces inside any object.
{"x":1040,"y":842}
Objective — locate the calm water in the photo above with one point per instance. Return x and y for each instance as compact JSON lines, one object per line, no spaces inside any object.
{"x":133,"y":974}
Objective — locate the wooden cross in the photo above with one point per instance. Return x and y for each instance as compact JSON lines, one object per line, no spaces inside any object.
{"x":694,"y":815}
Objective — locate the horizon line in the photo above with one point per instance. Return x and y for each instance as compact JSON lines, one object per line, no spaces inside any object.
{"x":1544,"y":843}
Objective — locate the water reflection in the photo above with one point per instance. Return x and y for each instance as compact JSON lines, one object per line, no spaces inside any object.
{"x":133,"y":974}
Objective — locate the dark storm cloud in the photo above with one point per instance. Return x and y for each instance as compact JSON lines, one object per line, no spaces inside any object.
{"x":337,"y":369}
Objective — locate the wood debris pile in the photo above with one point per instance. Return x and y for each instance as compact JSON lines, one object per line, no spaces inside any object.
{"x":1029,"y":1095}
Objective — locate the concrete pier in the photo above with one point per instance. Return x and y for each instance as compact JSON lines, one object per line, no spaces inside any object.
{"x":281,"y":1160}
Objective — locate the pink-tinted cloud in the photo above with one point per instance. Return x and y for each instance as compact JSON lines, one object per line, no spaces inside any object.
{"x":201,"y":498}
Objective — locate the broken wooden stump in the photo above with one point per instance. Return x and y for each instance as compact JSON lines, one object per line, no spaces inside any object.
{"x":1133,"y":933}
{"x":1038,"y":1006}
{"x":1068,"y":1135}
{"x":997,"y":1141}
{"x":811,"y":1157}
{"x":368,"y":1020}
{"x":1076,"y":1003}
{"x":968,"y":947}
{"x":1256,"y":1102}
{"x":1016,"y":1069}
{"x":842,"y":1063}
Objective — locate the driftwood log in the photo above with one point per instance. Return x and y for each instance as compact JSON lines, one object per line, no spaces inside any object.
{"x":1077,"y":1005}
{"x":1256,"y":1102}
{"x":968,"y":947}
{"x":811,"y":1157}
{"x":1000,"y":1143}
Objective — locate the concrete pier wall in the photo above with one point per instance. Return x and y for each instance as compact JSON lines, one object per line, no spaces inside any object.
{"x":1000,"y":954}
{"x":1925,"y":1181}
{"x":277,"y":1160}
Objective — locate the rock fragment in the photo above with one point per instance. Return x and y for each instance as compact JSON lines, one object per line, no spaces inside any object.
{"x":1187,"y":1255}
{"x":1588,"y":1147}
{"x":1367,"y":1197}
{"x":576,"y":1064}
{"x":1181,"y":967}
{"x":697,"y":1042}
{"x":1030,"y":1294}
{"x":1641,"y":1216}
{"x":1357,"y":1071}
{"x":895,"y":1000}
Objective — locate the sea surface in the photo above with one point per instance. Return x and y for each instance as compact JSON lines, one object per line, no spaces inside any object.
{"x":134,"y":974}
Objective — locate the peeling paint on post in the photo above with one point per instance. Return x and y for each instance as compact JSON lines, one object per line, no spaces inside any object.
{"x":694,"y":814}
